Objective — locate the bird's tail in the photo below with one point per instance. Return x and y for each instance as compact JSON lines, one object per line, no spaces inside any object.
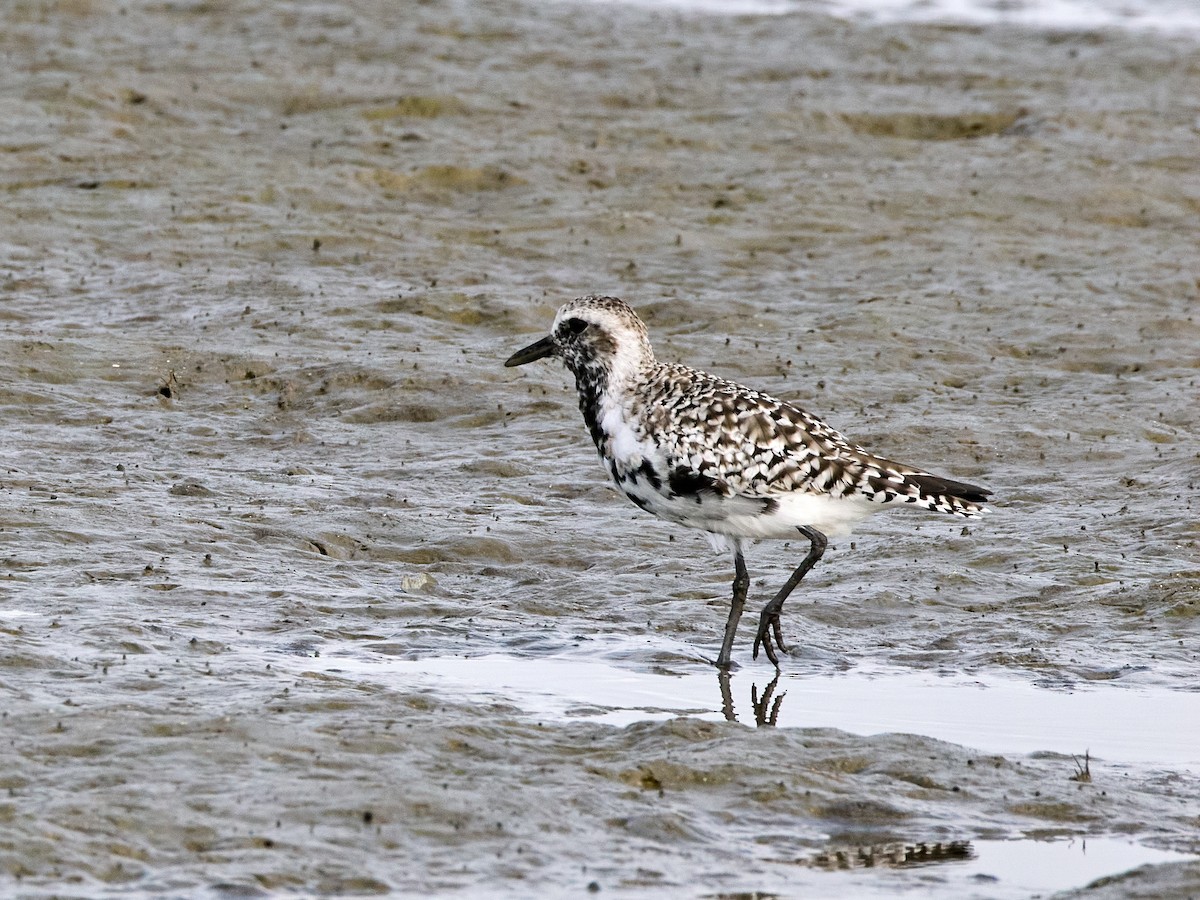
{"x":945,"y":495}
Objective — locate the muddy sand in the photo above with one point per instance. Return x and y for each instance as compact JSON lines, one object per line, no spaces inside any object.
{"x":302,"y":592}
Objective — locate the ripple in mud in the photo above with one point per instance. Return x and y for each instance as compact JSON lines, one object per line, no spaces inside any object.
{"x":932,"y":127}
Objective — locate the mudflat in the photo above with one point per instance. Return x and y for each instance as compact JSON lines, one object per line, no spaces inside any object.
{"x":260,"y":266}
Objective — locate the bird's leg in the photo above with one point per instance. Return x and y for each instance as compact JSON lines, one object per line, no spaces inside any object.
{"x":769,"y":620}
{"x":741,"y":583}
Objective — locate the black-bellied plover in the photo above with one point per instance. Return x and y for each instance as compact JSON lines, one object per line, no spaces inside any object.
{"x":732,"y":462}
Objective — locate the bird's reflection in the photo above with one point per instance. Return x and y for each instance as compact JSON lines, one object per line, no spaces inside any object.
{"x":766,"y":708}
{"x":894,"y":855}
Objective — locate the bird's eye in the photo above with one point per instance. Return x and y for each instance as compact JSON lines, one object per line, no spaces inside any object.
{"x":575,"y":326}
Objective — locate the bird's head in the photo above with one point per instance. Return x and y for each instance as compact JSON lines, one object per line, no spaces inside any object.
{"x":593,"y":333}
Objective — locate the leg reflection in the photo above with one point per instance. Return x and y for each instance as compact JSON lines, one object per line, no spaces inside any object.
{"x":761,"y":717}
{"x":726,"y":695}
{"x":766,"y":708}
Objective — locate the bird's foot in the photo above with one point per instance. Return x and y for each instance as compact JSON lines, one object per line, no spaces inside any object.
{"x":770,"y":635}
{"x":724,"y":665}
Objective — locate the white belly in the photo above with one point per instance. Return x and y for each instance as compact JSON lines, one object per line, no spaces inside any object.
{"x":832,"y":516}
{"x":746,"y":517}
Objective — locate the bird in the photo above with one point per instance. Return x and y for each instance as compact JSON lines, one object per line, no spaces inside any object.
{"x":713,"y":455}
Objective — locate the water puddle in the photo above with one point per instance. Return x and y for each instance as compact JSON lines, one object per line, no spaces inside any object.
{"x":1035,"y":866}
{"x":993,"y":714}
{"x":996,"y":870}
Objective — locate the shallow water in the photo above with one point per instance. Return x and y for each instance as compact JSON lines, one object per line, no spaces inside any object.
{"x":302,"y":591}
{"x":994,"y":714}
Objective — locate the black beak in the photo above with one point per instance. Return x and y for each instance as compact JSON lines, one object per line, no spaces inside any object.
{"x":536,"y":350}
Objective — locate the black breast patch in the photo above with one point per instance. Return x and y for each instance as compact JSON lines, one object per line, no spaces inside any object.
{"x":693,"y":485}
{"x":646,"y":470}
{"x":636,"y":499}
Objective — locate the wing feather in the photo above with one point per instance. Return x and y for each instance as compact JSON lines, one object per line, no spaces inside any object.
{"x":751,"y":444}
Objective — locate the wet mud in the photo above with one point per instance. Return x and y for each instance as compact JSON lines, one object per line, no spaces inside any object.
{"x":260,"y":266}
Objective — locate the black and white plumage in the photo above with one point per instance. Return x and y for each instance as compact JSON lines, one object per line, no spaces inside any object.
{"x":732,"y":462}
